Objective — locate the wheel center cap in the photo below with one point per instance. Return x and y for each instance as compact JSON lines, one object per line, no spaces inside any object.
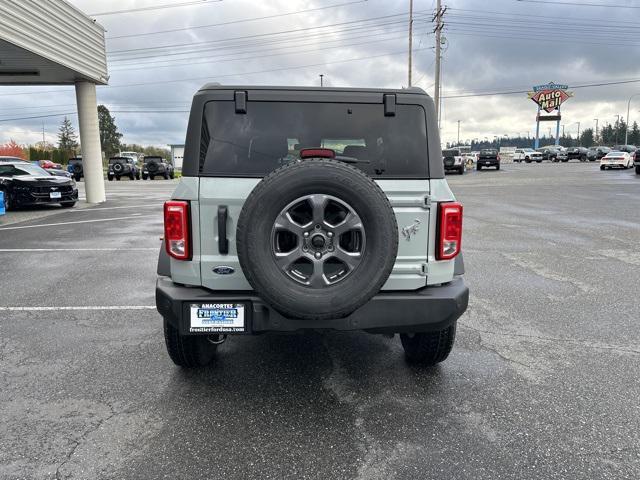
{"x":317,"y":241}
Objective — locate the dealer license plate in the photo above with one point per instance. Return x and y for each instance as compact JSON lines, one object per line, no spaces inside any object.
{"x":55,"y":195}
{"x":217,"y":318}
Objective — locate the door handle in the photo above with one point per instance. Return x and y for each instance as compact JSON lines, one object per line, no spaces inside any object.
{"x":223,"y":242}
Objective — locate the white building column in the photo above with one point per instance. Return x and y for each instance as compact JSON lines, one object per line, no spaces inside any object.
{"x":90,"y":142}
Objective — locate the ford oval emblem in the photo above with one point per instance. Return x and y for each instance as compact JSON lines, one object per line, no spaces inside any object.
{"x":223,"y":270}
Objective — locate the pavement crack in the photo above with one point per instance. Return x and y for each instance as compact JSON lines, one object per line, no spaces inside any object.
{"x":77,"y":442}
{"x":583,"y":343}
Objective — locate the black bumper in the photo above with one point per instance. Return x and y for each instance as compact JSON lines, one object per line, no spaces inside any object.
{"x":23,"y":199}
{"x":488,"y":162}
{"x":428,"y":309}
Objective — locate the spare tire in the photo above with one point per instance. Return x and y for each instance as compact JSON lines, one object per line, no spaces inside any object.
{"x":317,"y":239}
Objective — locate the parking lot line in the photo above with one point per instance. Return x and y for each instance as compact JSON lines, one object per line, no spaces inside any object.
{"x":93,"y":307}
{"x":128,"y":249}
{"x":130,"y":217}
{"x":115,"y":208}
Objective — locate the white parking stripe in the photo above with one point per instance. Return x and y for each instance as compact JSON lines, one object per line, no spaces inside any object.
{"x":49,"y":309}
{"x":124,"y":250}
{"x":130,"y":217}
{"x":80,"y":210}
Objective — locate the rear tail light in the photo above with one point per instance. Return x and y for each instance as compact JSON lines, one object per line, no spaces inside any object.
{"x":176,"y":229}
{"x":449,"y":230}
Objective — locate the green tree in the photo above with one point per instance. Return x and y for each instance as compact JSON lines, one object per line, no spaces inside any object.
{"x":67,"y":138}
{"x":634,"y":134}
{"x":109,"y":135}
{"x":586,"y":137}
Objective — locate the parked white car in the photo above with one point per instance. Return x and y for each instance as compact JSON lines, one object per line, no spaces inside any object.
{"x":527,"y":155}
{"x":616,"y":160}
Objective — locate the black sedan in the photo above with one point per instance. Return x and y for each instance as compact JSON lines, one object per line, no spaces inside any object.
{"x":578,"y":153}
{"x":25,"y":184}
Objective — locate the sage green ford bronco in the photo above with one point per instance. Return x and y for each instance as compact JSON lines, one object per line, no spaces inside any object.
{"x":311,"y":208}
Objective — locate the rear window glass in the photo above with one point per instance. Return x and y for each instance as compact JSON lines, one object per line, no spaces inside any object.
{"x":488,"y":152}
{"x":450,"y":153}
{"x":272,"y":134}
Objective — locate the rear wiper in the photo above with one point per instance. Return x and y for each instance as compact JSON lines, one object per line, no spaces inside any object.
{"x":342,"y":158}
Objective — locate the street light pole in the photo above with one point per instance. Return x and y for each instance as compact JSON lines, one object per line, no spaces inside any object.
{"x":321,"y":80}
{"x":578,"y":133}
{"x":458,"y":132}
{"x":617,"y":123}
{"x":626,"y":129}
{"x":410,"y":38}
{"x":596,"y":130}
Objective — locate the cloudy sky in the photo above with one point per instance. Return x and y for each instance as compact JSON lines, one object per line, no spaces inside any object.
{"x":496,"y":46}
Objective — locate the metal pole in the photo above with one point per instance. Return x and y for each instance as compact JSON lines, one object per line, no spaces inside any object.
{"x":596,"y":130}
{"x":458,"y":132}
{"x":410,"y":38}
{"x":579,"y":142}
{"x":321,"y":80}
{"x":557,"y":142}
{"x":436,"y":96}
{"x":536,"y":143}
{"x":617,"y":123}
{"x":626,"y":129}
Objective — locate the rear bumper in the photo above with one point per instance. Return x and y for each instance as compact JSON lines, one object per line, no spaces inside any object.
{"x":488,"y":162}
{"x":428,"y":309}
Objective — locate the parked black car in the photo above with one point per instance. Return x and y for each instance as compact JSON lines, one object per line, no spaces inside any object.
{"x":600,"y":151}
{"x":625,"y":148}
{"x":153,"y":166}
{"x":25,"y":184}
{"x":636,"y":161}
{"x":74,"y":167}
{"x":123,"y":167}
{"x":488,"y":157}
{"x":578,"y":153}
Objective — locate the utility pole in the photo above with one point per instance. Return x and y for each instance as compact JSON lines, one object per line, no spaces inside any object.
{"x":617,"y":124}
{"x":562,"y":131}
{"x":438,"y":29}
{"x":43,"y":144}
{"x":626,"y":129}
{"x":321,"y":80}
{"x":410,"y":38}
{"x":458,"y":132}
{"x":579,"y":142}
{"x":596,"y":139}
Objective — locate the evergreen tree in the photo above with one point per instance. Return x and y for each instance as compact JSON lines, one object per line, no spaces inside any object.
{"x":634,"y":134}
{"x":109,"y":135}
{"x":586,"y":137}
{"x":67,"y":138}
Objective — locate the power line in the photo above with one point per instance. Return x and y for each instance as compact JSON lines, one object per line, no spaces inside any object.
{"x":155,"y":7}
{"x":579,"y":4}
{"x":233,"y":22}
{"x":264,"y":55}
{"x":214,"y":77}
{"x":259,"y":35}
{"x":75,"y":113}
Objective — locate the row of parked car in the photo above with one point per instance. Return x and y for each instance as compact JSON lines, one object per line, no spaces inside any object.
{"x":128,"y":166}
{"x":456,"y":161}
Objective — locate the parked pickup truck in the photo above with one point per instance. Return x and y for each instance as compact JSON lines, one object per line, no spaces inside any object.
{"x":527,"y":155}
{"x":488,"y":157}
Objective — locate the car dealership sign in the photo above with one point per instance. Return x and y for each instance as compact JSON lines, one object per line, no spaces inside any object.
{"x":550,"y":96}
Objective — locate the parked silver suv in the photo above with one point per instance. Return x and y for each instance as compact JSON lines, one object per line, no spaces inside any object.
{"x":305,"y":208}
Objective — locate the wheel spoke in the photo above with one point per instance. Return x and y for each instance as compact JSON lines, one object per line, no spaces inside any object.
{"x":318,"y":204}
{"x":285,"y":222}
{"x":352,"y":222}
{"x":284,"y":260}
{"x":317,"y":278}
{"x":350,"y":259}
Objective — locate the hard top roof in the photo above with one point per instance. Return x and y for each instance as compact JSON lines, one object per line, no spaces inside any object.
{"x":217,"y":86}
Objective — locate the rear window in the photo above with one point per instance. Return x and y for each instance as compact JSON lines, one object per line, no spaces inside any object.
{"x":272,"y":134}
{"x":488,"y":152}
{"x":450,"y":153}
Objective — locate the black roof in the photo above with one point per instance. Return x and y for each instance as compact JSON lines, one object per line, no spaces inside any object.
{"x":218,"y":86}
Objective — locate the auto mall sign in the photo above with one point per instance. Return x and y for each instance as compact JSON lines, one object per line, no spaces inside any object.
{"x":550,"y":96}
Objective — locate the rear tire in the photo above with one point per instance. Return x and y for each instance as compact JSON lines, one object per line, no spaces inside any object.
{"x":461,"y":170}
{"x":144,"y":177}
{"x":428,"y":348}
{"x":478,"y":168}
{"x":77,"y":178}
{"x":497,"y":167}
{"x":166,"y":176}
{"x":188,"y":351}
{"x":118,"y":179}
{"x":110,"y":178}
{"x":637,"y":169}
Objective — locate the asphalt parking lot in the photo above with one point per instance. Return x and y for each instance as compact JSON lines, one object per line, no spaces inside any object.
{"x":542,"y":382}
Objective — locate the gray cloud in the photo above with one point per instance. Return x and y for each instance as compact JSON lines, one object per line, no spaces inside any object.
{"x":529,"y":50}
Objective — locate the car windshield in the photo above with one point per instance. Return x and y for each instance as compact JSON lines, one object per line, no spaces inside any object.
{"x":271,"y":134}
{"x":450,"y":153}
{"x":22,"y":170}
{"x":488,"y":152}
{"x":152,"y":159}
